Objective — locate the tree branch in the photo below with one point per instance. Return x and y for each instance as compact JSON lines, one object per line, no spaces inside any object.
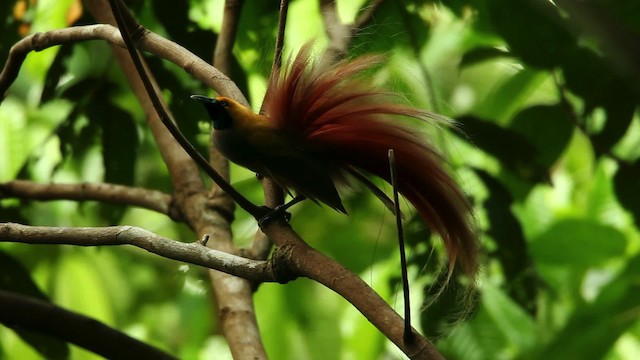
{"x":227,"y":36}
{"x":233,"y":296}
{"x":183,"y":171}
{"x":366,"y":14}
{"x":300,"y":257}
{"x":119,"y":194}
{"x":192,"y":253}
{"x":124,"y":25}
{"x":28,"y":313}
{"x":302,"y":260}
{"x":339,"y":33}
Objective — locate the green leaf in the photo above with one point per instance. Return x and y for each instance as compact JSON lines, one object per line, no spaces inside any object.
{"x":13,"y":152}
{"x":55,"y":72}
{"x":579,"y":243}
{"x":593,"y":329}
{"x":626,"y":188}
{"x":16,"y":278}
{"x":548,"y":128}
{"x":481,"y":54}
{"x":511,"y":321}
{"x":508,"y":97}
{"x":587,"y":75}
{"x":534,"y":31}
{"x":512,"y":248}
{"x":119,"y":141}
{"x":514,"y":151}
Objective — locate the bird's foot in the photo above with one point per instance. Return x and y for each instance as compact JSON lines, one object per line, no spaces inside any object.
{"x":279,"y":212}
{"x":272,"y":214}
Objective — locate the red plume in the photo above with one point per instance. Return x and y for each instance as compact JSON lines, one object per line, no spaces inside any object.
{"x":336,"y":113}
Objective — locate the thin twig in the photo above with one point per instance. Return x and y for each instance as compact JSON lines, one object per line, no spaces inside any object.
{"x":282,"y":24}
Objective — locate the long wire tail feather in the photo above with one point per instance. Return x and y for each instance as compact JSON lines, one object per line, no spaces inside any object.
{"x":335,"y":112}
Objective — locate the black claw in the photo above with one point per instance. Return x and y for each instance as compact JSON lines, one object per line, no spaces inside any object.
{"x":272,"y":214}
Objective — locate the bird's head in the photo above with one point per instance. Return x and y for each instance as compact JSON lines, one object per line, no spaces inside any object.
{"x":218,"y":109}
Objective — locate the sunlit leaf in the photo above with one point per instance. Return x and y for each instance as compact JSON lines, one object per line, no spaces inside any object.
{"x":594,"y":328}
{"x":578,"y":243}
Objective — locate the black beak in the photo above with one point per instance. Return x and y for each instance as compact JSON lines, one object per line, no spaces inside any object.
{"x":204,"y":99}
{"x":215,"y":109}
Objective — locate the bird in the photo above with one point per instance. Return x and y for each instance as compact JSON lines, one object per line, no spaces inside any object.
{"x":326,"y":123}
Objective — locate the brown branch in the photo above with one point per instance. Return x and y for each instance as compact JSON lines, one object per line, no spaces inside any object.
{"x":366,"y":14}
{"x":183,"y":172}
{"x":341,"y":34}
{"x":308,"y":262}
{"x":159,"y":106}
{"x":23,"y":312}
{"x":40,"y":41}
{"x":193,"y":253}
{"x":302,"y":260}
{"x":150,"y":42}
{"x":294,"y":254}
{"x":233,"y":296}
{"x":222,"y":54}
{"x":119,"y":194}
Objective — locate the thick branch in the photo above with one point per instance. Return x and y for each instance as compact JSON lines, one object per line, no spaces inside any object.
{"x":155,"y":44}
{"x":192,"y":253}
{"x":306,"y":261}
{"x":119,"y":194}
{"x":233,"y":296}
{"x":28,"y":313}
{"x":125,"y":26}
{"x":227,"y":36}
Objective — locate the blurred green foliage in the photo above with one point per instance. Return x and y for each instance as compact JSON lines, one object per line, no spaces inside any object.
{"x":548,"y":152}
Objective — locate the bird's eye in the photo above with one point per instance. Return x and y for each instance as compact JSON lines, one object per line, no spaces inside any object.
{"x":224,"y":103}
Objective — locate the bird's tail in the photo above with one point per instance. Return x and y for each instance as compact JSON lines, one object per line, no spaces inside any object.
{"x":343,"y":117}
